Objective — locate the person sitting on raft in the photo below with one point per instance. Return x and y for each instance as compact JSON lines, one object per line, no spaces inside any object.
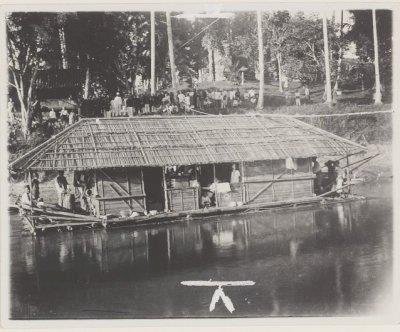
{"x":26,"y":201}
{"x":206,"y":199}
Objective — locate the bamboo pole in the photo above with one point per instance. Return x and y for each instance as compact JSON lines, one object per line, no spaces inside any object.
{"x":215,"y":192}
{"x":260,"y":104}
{"x":143,"y":189}
{"x":152,"y":53}
{"x":171,"y":53}
{"x":266,"y":187}
{"x":334,"y":190}
{"x":243,"y":182}
{"x":378,"y":94}
{"x":166,"y":209}
{"x":328,"y":88}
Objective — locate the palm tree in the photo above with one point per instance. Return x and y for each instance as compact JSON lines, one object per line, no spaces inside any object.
{"x":260,"y":104}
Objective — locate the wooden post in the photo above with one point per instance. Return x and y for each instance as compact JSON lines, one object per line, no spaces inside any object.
{"x":378,"y":94}
{"x":171,"y":53}
{"x":243,"y":182}
{"x":166,"y":209}
{"x":147,"y":245}
{"x":143,"y":190}
{"x":168,"y":245}
{"x":152,"y":53}
{"x":215,"y":192}
{"x":328,"y":89}
{"x":348,"y":174}
{"x":260,"y":104}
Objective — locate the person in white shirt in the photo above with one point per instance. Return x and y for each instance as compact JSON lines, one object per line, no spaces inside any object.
{"x":52,"y":115}
{"x":117,"y":102}
{"x":181,"y":97}
{"x":26,"y":200}
{"x":64,"y":115}
{"x":307,"y":92}
{"x":71,"y":117}
{"x":235,"y":175}
{"x":187,"y":101}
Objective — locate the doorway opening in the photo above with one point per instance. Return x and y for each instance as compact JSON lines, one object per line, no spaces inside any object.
{"x":153,"y":186}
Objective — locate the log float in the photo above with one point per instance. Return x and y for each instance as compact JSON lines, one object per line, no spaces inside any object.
{"x":65,"y":222}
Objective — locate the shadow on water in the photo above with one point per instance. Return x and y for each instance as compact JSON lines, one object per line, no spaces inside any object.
{"x":333,"y":260}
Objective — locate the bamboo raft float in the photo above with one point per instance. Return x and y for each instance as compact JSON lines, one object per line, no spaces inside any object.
{"x":47,"y":220}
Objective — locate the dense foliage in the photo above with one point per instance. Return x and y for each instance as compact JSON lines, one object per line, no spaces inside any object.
{"x":112,"y":48}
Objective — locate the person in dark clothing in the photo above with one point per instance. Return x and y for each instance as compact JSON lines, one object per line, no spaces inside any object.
{"x":35,"y":186}
{"x":316,"y":169}
{"x":195,"y":99}
{"x":332,"y":174}
{"x":61,"y":185}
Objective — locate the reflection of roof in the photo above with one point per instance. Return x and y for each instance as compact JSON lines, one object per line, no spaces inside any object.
{"x":182,"y":140}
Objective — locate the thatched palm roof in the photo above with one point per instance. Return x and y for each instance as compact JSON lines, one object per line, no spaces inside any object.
{"x":182,"y":140}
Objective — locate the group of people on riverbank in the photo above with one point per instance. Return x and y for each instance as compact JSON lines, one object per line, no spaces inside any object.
{"x":184,"y":101}
{"x":212,"y":100}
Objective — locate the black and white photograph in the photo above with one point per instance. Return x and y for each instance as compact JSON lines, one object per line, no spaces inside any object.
{"x":205,"y":161}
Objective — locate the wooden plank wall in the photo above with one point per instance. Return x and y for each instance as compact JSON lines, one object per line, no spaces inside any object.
{"x":182,"y":197}
{"x":234,"y":196}
{"x":296,"y":184}
{"x":119,"y":182}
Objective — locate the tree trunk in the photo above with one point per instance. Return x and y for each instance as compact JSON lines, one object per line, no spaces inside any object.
{"x":260,"y":104}
{"x":87,"y":84}
{"x":210,"y":62}
{"x":24,"y":101}
{"x":63,"y":46}
{"x":171,"y":53}
{"x":279,"y":58}
{"x":339,"y":63}
{"x":152,"y":53}
{"x":328,"y":88}
{"x":378,"y":94}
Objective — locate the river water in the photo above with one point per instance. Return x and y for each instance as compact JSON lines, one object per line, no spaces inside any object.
{"x":322,"y":260}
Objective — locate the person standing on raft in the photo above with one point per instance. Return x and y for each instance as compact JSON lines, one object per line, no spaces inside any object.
{"x":61,"y":185}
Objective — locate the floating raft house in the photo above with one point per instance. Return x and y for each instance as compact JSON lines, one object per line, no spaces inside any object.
{"x":166,"y":163}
